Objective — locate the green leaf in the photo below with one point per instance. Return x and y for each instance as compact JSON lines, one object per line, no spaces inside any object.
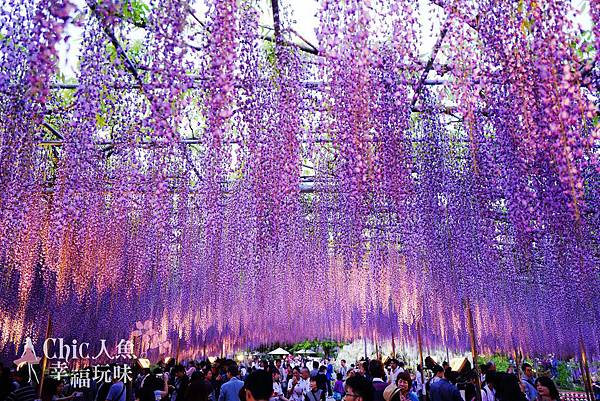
{"x":135,"y":11}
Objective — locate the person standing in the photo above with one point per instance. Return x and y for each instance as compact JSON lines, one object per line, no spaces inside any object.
{"x":546,"y":389}
{"x":315,"y":370}
{"x":507,"y":387}
{"x":315,"y":393}
{"x":282,"y":375}
{"x":438,"y":374}
{"x":442,"y":389}
{"x":338,"y":388}
{"x":528,"y":381}
{"x":488,"y":392}
{"x":394,"y":371}
{"x":280,"y":368}
{"x":198,"y":388}
{"x":596,"y":389}
{"x":180,"y":383}
{"x":403,"y":382}
{"x":330,"y":377}
{"x":420,"y":383}
{"x":304,"y":381}
{"x":230,"y":391}
{"x":343,"y":368}
{"x":278,"y":393}
{"x":117,"y":391}
{"x":358,"y":388}
{"x":295,"y":392}
{"x":322,"y":379}
{"x":25,"y":392}
{"x":258,"y":386}
{"x":377,"y":372}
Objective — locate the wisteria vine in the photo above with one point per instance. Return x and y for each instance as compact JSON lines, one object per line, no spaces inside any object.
{"x":233,"y":185}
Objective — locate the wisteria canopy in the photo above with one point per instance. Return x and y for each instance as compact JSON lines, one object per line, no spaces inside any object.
{"x":232,"y":184}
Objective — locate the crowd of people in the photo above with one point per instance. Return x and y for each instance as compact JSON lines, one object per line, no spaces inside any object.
{"x":294,"y":380}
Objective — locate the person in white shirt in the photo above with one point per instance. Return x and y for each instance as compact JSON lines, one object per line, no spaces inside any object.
{"x":280,"y":367}
{"x":277,"y":390}
{"x":421,"y":380}
{"x":438,"y":374}
{"x":394,"y":371}
{"x":488,"y":392}
{"x":343,"y":368}
{"x":298,"y":386}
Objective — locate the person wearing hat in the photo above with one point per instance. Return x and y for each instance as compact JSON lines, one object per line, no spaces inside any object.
{"x":393,"y":393}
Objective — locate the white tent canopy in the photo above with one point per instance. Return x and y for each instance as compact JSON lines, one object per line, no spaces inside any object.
{"x":305,"y":352}
{"x":279,"y":351}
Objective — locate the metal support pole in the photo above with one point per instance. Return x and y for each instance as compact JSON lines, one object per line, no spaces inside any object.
{"x":44,"y":359}
{"x":585,"y":371}
{"x":393,"y":346}
{"x":447,"y":354}
{"x":518,"y":363}
{"x":420,"y":345}
{"x":473,"y":349}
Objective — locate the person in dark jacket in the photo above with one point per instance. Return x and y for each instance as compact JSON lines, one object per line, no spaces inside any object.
{"x":180,"y":383}
{"x":199,"y":388}
{"x":322,"y":378}
{"x":377,"y":373}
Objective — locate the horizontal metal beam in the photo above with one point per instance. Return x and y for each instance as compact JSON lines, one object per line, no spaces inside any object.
{"x":200,"y":141}
{"x":306,"y":84}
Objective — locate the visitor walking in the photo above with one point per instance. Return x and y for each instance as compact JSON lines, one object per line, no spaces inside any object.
{"x":442,"y":389}
{"x":488,"y":391}
{"x":25,"y":392}
{"x":528,"y":381}
{"x":377,"y":373}
{"x":117,"y":391}
{"x":358,"y":388}
{"x":343,"y":368}
{"x":199,"y":388}
{"x":420,"y":383}
{"x":278,"y":393}
{"x":404,"y":383}
{"x":315,"y":393}
{"x":338,"y":388}
{"x":507,"y":387}
{"x":230,"y":390}
{"x":295,"y":391}
{"x":394,"y":371}
{"x":258,"y":386}
{"x":180,"y":383}
{"x":546,"y":389}
{"x":315,"y":370}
